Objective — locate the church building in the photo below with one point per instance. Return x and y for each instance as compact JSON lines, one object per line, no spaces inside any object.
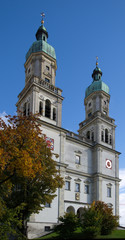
{"x":87,"y":161}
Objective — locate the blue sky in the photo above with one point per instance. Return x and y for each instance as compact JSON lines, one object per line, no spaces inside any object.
{"x":79,"y":30}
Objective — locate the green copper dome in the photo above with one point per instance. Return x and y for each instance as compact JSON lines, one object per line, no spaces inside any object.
{"x":97,"y":84}
{"x":41,"y":44}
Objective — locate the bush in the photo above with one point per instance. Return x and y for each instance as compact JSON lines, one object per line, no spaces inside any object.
{"x":90,"y":223}
{"x":69,"y":224}
{"x":98,"y":219}
{"x":108,"y":221}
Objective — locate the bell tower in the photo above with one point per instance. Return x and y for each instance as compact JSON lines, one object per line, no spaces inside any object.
{"x":40,"y":95}
{"x":98,"y":126}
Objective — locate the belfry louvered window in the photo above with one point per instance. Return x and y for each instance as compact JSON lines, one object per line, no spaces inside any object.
{"x":40,"y":108}
{"x":48,"y":108}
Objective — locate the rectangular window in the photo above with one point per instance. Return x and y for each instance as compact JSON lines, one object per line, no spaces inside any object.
{"x":47,"y":205}
{"x":77,"y":160}
{"x":108,"y":192}
{"x":67,"y":185}
{"x":77,"y":187}
{"x":87,"y":189}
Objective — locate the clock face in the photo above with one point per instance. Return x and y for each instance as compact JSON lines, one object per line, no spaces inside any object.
{"x":108,"y":164}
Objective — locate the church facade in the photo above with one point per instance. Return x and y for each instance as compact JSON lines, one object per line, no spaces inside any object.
{"x":87,"y":161}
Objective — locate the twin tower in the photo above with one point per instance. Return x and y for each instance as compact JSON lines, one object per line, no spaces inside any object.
{"x":88,"y":161}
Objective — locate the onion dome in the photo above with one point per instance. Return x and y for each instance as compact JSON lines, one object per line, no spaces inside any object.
{"x":97,"y":84}
{"x":41,"y":44}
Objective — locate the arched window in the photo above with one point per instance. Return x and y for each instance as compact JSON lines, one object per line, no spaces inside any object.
{"x":92,"y":136}
{"x":24,"y":109}
{"x":88,"y":135}
{"x":54,"y":114}
{"x":102,"y":136}
{"x":106,"y":135}
{"x":28,"y":112}
{"x":40,"y":108}
{"x":48,"y":108}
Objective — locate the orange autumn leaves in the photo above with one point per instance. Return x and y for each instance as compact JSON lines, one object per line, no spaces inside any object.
{"x":22,"y":149}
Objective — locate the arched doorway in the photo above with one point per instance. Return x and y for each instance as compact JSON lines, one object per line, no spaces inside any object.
{"x":70,"y":209}
{"x":80,"y":212}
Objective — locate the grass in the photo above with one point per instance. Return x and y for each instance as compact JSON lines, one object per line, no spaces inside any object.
{"x":116,"y":234}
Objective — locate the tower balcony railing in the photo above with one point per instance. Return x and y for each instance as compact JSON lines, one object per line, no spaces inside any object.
{"x":40,"y":82}
{"x":78,"y":137}
{"x":48,"y":85}
{"x":97,"y":114}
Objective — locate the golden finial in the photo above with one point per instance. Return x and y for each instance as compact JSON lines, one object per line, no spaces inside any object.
{"x":96,"y":61}
{"x":43,"y":15}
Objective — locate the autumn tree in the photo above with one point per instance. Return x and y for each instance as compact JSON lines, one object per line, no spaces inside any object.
{"x":28,"y":175}
{"x":108,"y":221}
{"x":98,"y":219}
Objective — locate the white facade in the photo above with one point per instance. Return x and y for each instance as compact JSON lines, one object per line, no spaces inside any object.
{"x":88,"y":161}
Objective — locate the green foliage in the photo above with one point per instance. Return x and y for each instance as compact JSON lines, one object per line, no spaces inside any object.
{"x":69,"y":224}
{"x":90,"y":223}
{"x":28,"y":174}
{"x":98,"y":219}
{"x":10,"y":222}
{"x":108,"y":221}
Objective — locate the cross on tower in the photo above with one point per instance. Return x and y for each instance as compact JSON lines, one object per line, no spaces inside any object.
{"x":43,"y":15}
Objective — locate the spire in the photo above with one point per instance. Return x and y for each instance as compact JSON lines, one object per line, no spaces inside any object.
{"x":97,"y":73}
{"x":42,"y":33}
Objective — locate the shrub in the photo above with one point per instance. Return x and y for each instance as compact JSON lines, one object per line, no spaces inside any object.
{"x":69,"y":224}
{"x":108,"y":221}
{"x":90,"y":223}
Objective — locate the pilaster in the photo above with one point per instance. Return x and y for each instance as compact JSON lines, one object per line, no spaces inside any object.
{"x":117,"y":198}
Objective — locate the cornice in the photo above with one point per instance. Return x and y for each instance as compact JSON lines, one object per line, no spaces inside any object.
{"x":29,"y":87}
{"x":95,"y":175}
{"x":98,"y":145}
{"x":41,"y":54}
{"x":65,"y":131}
{"x":76,"y":202}
{"x":96,"y":118}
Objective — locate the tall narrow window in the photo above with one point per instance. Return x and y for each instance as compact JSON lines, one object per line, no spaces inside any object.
{"x":88,"y":135}
{"x":28,"y":112}
{"x":77,"y":187}
{"x":67,"y":185}
{"x":106,"y":135}
{"x":92,"y":136}
{"x":108,"y":191}
{"x":110,"y":139}
{"x":24,"y":109}
{"x":48,"y":108}
{"x":77,"y":160}
{"x":54,"y":114}
{"x":102,"y":136}
{"x":87,"y":189}
{"x":40,"y":108}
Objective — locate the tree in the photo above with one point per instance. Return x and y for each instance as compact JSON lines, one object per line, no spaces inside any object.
{"x":69,"y":224}
{"x":98,"y":219}
{"x":90,"y":222}
{"x":28,"y":174}
{"x":108,"y":221}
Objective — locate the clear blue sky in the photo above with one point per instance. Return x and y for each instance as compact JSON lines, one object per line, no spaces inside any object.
{"x":79,"y":30}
